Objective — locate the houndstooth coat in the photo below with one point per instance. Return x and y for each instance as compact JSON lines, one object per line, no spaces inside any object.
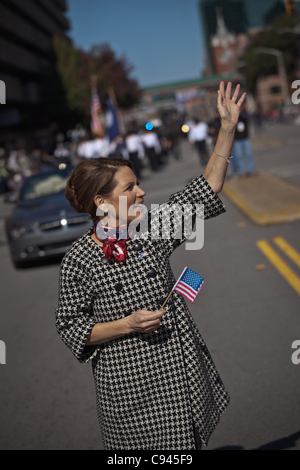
{"x":151,"y":389}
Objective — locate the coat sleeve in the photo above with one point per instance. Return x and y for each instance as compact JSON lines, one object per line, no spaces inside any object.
{"x":74,"y":315}
{"x":175,"y":220}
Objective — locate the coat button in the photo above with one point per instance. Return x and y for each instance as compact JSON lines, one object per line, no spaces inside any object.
{"x":152,"y":273}
{"x":118,"y":287}
{"x":104,"y":260}
{"x":138,"y":247}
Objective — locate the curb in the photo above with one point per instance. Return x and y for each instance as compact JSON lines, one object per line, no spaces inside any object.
{"x":289,"y":212}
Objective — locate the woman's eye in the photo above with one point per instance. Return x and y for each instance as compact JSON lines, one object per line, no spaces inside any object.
{"x":130,"y":188}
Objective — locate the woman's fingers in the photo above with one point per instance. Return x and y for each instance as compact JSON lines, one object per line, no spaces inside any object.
{"x":149,"y":315}
{"x":236,"y":93}
{"x":227,"y":95}
{"x":220,"y":99}
{"x":148,"y":326}
{"x":222,"y":89}
{"x":242,"y":99}
{"x":228,"y":91}
{"x":145,"y":321}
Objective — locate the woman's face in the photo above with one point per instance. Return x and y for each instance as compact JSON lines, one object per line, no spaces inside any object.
{"x":126,"y":194}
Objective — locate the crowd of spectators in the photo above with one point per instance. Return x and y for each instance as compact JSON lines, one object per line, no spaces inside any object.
{"x":143,"y":147}
{"x":151,"y":146}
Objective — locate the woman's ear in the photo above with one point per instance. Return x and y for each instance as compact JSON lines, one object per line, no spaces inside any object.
{"x":98,"y":200}
{"x":101,"y":206}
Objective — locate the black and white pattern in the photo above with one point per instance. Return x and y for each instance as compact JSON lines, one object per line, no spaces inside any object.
{"x":151,"y":389}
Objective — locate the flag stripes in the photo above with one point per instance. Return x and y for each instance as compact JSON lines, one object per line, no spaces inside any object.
{"x":186,"y":291}
{"x":189,"y":284}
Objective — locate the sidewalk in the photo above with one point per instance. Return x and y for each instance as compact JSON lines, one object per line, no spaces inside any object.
{"x":265,"y":199}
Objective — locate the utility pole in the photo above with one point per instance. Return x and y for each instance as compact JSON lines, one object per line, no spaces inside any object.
{"x":281,"y":68}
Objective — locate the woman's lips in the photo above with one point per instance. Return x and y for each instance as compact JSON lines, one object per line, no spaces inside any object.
{"x":138,"y":208}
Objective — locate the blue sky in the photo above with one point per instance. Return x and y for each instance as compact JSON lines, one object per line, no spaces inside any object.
{"x":161,"y":38}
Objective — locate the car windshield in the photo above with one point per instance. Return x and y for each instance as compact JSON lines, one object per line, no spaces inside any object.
{"x":44,"y":184}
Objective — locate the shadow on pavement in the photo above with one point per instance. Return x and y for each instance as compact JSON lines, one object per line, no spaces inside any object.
{"x":280,"y":444}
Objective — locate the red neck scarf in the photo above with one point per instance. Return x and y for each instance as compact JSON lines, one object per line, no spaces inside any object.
{"x":114,"y":241}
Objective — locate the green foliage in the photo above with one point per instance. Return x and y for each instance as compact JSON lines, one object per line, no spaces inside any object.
{"x":68,"y":66}
{"x":66,"y":85}
{"x":257,"y":65}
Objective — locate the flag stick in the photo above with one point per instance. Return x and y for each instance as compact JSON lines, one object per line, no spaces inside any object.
{"x":180,"y":277}
{"x":173,"y":289}
{"x":111,"y":93}
{"x":166,"y":300}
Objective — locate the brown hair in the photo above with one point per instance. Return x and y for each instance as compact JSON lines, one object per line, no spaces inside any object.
{"x":91,"y":178}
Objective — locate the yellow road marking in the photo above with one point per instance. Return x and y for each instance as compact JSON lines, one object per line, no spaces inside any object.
{"x":280,"y":265}
{"x":288,"y":250}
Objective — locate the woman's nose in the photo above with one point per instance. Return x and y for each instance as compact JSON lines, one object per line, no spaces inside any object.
{"x":141,"y":192}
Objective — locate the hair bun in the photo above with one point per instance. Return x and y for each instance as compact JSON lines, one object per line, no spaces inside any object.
{"x":71,"y":195}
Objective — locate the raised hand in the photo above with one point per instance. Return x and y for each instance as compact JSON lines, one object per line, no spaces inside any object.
{"x":228,"y":108}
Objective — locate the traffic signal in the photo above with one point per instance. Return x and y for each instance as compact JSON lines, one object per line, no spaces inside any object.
{"x":290,"y":7}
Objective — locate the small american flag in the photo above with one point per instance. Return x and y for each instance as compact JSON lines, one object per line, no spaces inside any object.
{"x":189,"y":284}
{"x":96,"y":123}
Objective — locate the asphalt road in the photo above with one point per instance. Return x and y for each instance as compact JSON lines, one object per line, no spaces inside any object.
{"x":248,"y":317}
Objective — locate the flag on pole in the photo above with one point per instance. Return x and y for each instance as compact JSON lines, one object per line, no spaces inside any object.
{"x":112,"y":124}
{"x":96,"y":122}
{"x":189,"y":284}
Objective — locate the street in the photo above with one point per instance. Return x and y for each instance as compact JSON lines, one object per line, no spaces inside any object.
{"x":247,"y":313}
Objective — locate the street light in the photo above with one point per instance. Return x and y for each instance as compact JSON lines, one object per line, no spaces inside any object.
{"x":281,"y":68}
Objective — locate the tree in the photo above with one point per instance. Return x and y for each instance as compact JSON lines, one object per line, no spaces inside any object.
{"x":66,"y":82}
{"x":258,"y":65}
{"x":115,"y":73}
{"x":63,"y":93}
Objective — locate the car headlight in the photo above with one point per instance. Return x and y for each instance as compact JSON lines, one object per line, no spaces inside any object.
{"x":19,"y":230}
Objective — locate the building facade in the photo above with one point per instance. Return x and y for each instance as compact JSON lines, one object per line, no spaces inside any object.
{"x":241,"y":17}
{"x":26,"y":30}
{"x":227,"y":27}
{"x":223,"y":47}
{"x":195,"y":98}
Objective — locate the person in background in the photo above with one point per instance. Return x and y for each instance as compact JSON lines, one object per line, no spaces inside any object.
{"x":4,"y":173}
{"x":214,"y":127}
{"x":62,"y":153}
{"x":174,"y":132}
{"x":242,"y":147}
{"x":101,"y":147}
{"x":118,"y":148}
{"x":198,"y":135}
{"x":85,"y":149}
{"x":135,"y":149}
{"x":153,"y":148}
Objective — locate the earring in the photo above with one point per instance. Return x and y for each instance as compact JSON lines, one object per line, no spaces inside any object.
{"x":101,"y":210}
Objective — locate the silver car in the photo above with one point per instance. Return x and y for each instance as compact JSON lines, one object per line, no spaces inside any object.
{"x":43,"y":224}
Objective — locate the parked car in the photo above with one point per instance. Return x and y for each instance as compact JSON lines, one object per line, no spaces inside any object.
{"x":43,"y":224}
